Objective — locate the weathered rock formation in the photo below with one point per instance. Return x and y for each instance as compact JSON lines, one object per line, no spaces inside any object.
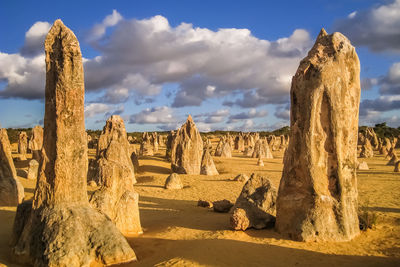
{"x":36,"y":142}
{"x":59,"y":227}
{"x":366,"y":150}
{"x":146,"y":147}
{"x":168,"y":145}
{"x":226,"y":150}
{"x":363,"y":166}
{"x":317,"y":197}
{"x":187,"y":149}
{"x":173,"y":182}
{"x":116,"y":197}
{"x":22,"y":145}
{"x":260,"y":162}
{"x":393,"y":160}
{"x":11,"y":190}
{"x":255,"y":206}
{"x":222,"y":206}
{"x":33,"y":170}
{"x":207,"y":164}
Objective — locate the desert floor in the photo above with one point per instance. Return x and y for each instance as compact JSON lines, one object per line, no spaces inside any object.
{"x":178,"y":233}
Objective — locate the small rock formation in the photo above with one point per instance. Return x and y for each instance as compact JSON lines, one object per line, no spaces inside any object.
{"x":59,"y":227}
{"x":116,"y":197}
{"x":135,"y":161}
{"x":33,"y":170}
{"x":204,"y":203}
{"x":255,"y":206}
{"x":219,"y":148}
{"x":36,"y":142}
{"x":222,"y":206}
{"x":187,"y":149}
{"x":146,"y":147}
{"x":168,"y":145}
{"x":260,"y":162}
{"x":11,"y":190}
{"x":397,"y":166}
{"x":363,"y":166}
{"x":226,"y":150}
{"x":22,"y":145}
{"x":248,"y":151}
{"x":207,"y":164}
{"x":317,"y":198}
{"x":366,"y":150}
{"x":241,"y":178}
{"x":173,"y":182}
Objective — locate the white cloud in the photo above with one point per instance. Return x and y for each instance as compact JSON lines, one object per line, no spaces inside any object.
{"x":99,"y":30}
{"x":212,"y":117}
{"x":204,"y":63}
{"x":94,"y":109}
{"x":251,"y":114}
{"x":34,"y":38}
{"x":154,"y":115}
{"x":377,"y":27}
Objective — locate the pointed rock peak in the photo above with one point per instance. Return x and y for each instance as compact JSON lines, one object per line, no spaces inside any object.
{"x":189,"y":118}
{"x":322,"y":33}
{"x":59,"y":23}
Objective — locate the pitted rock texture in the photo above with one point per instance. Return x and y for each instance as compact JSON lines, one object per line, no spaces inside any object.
{"x":59,"y":228}
{"x":317,"y":198}
{"x":187,"y":149}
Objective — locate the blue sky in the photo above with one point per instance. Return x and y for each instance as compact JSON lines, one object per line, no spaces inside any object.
{"x":227,"y":63}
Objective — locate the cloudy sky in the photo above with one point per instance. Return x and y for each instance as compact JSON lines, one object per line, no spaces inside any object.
{"x":227,"y":63}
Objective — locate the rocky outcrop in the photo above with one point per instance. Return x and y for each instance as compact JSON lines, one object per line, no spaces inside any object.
{"x":22,"y":145}
{"x":241,"y":178}
{"x":173,"y":182}
{"x":256,"y":205}
{"x":59,"y":227}
{"x":366,"y":150}
{"x":168,"y":145}
{"x":187,"y":149}
{"x":317,"y":197}
{"x":207,"y":164}
{"x":146,"y":146}
{"x":36,"y":142}
{"x":33,"y":170}
{"x":226,"y":150}
{"x":11,"y":190}
{"x":222,"y":206}
{"x":116,"y":197}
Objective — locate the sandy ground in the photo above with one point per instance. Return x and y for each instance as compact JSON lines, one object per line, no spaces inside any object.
{"x":178,"y":233}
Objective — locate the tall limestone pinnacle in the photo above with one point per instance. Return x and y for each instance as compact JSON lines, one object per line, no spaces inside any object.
{"x":317,"y":197}
{"x":187,"y":149}
{"x":60,"y":228}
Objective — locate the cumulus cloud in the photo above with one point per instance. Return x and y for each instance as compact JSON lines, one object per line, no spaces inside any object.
{"x":383,"y":103}
{"x":99,"y":29}
{"x":154,"y":115}
{"x":390,"y":83}
{"x":251,"y":114}
{"x":138,"y":57}
{"x":204,"y":63}
{"x":283,"y":112}
{"x":24,"y":76}
{"x":34,"y":38}
{"x":378,"y":27}
{"x":94,"y":109}
{"x":212,"y":117}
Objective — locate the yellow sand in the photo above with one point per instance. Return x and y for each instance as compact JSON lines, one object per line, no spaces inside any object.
{"x":178,"y":233}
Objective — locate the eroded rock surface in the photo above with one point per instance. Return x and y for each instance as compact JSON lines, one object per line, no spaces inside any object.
{"x":317,"y":197}
{"x":256,"y":205}
{"x":11,"y":190}
{"x":116,"y":197}
{"x":59,"y":227}
{"x":187,"y":149}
